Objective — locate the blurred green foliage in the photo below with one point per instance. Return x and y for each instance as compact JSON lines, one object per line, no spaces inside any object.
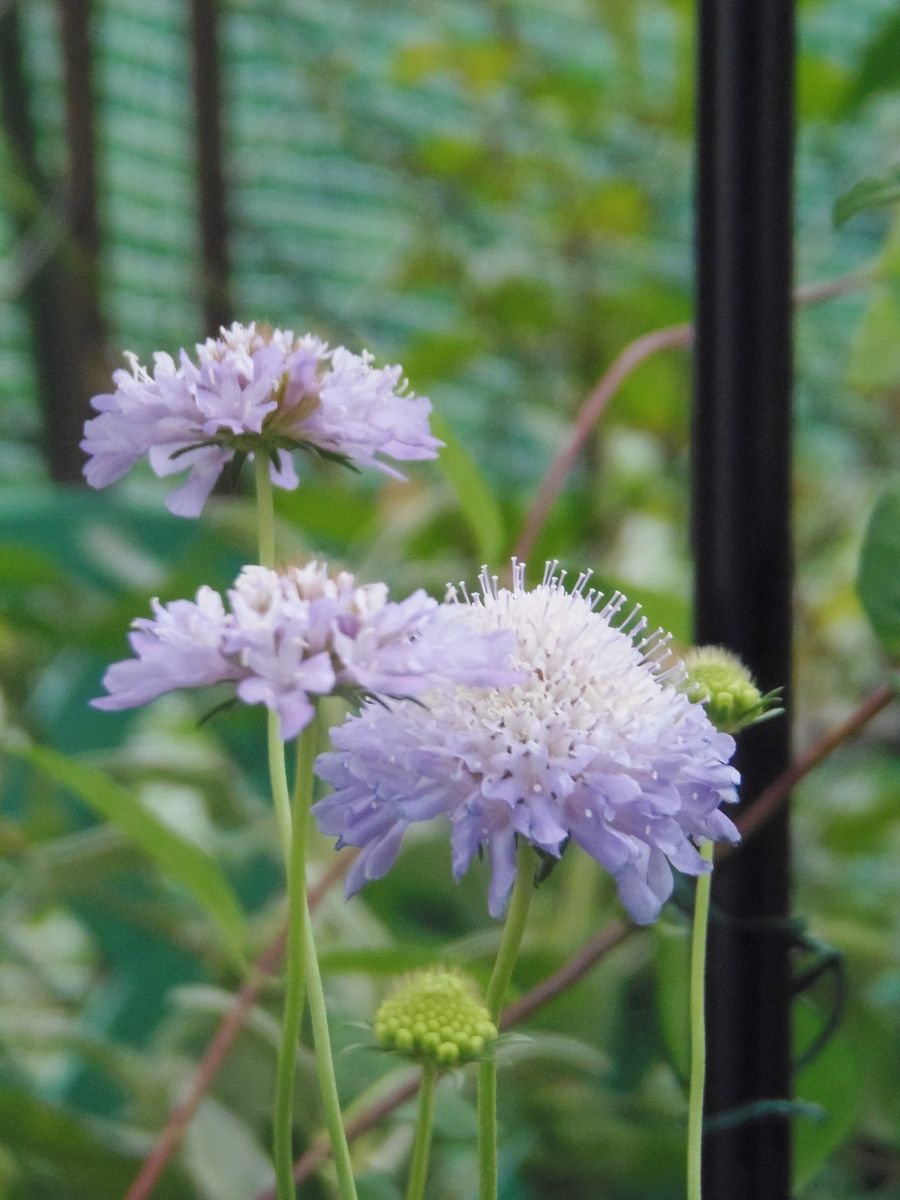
{"x":499,"y":195}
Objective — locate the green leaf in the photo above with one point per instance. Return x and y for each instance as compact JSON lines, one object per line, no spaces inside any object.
{"x":830,"y":1081}
{"x":879,"y":69}
{"x":875,"y":353}
{"x":24,"y":566}
{"x":377,"y":1187}
{"x":90,"y":1157}
{"x":179,"y":859}
{"x":878,"y":582}
{"x":476,"y":500}
{"x":879,"y":191}
{"x":570,"y":1053}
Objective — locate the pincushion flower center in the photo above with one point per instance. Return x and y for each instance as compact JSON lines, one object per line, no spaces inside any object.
{"x":580,"y":672}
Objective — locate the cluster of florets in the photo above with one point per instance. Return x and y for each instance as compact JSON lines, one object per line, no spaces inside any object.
{"x":719,"y":681}
{"x":595,"y":744}
{"x":283,"y":637}
{"x":437,"y":1016}
{"x":253,"y":391}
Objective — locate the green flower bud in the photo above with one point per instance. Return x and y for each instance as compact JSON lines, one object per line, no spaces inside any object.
{"x":719,"y":681}
{"x":435,"y":1015}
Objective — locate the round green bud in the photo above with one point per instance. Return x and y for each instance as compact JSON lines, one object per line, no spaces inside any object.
{"x":719,"y":681}
{"x":435,"y":1015}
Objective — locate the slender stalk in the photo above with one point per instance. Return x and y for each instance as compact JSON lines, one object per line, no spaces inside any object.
{"x":510,"y":942}
{"x":293,"y":848}
{"x":487,"y":1130}
{"x":220,"y":1045}
{"x":265,"y":524}
{"x":698,"y":1028}
{"x":281,"y":798}
{"x":265,"y":511}
{"x":331,"y":1104}
{"x":282,"y":1150}
{"x":418,"y":1167}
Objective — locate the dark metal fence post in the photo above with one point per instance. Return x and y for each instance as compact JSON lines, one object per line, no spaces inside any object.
{"x":741,"y":529}
{"x":59,"y":291}
{"x":76,"y":18}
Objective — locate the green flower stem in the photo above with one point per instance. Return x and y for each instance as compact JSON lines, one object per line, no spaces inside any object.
{"x":300,"y":958}
{"x":418,"y":1167}
{"x":283,"y":1150}
{"x":487,"y":1130}
{"x":698,"y":1028}
{"x":510,"y":941}
{"x":265,"y":511}
{"x":279,"y":785}
{"x":265,"y":520}
{"x":331,"y":1104}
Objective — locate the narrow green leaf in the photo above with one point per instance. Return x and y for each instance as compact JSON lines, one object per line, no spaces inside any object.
{"x":874,"y":364}
{"x":476,"y":500}
{"x":878,"y":582}
{"x":378,"y":960}
{"x":880,"y":191}
{"x":178,"y":858}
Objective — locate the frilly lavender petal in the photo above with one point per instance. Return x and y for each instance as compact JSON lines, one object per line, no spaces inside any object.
{"x":594,"y":743}
{"x":181,"y":646}
{"x":285,"y":637}
{"x":253,"y":390}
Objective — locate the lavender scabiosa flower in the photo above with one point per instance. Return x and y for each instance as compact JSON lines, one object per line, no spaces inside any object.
{"x":284,"y":637}
{"x":253,"y":390}
{"x":595,"y":744}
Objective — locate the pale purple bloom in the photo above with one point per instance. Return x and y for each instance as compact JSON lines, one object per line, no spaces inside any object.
{"x":285,"y":637}
{"x":595,"y":744}
{"x":253,"y":391}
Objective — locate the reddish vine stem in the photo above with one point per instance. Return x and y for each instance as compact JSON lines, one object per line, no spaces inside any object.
{"x":223,"y":1039}
{"x":623,"y":365}
{"x":589,"y":414}
{"x":771,"y":798}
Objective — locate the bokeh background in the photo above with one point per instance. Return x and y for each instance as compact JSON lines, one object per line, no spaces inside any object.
{"x":498,"y":194}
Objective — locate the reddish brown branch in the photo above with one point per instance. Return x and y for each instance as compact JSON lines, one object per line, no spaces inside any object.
{"x":568,"y":974}
{"x":597,"y":400}
{"x":589,"y":414}
{"x":222,"y":1041}
{"x":771,"y":798}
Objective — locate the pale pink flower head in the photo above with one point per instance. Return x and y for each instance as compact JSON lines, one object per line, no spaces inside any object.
{"x":252,"y":391}
{"x":282,"y":638}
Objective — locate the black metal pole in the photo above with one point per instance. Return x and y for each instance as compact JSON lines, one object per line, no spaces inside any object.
{"x":741,"y":530}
